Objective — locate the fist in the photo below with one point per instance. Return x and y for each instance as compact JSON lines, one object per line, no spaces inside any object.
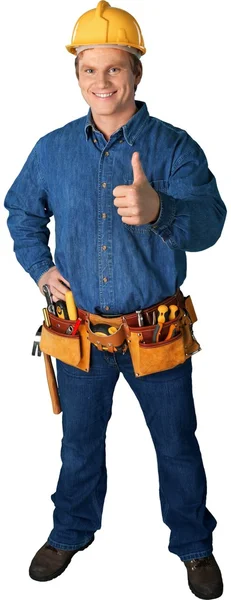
{"x":139,"y":203}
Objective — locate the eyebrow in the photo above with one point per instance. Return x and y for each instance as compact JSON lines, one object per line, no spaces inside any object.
{"x":117,"y":64}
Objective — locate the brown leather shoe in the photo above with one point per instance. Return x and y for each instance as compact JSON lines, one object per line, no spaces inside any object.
{"x":49,"y":562}
{"x":204,"y":577}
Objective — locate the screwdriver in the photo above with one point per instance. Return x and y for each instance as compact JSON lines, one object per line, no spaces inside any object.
{"x":140,"y":317}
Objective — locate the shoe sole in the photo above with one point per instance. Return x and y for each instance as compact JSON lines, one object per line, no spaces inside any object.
{"x":61,"y":569}
{"x":203,"y":595}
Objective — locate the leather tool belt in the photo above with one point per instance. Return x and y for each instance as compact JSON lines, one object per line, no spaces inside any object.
{"x":125,"y":332}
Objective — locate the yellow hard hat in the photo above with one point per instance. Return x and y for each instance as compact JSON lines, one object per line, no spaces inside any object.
{"x":107,"y":25}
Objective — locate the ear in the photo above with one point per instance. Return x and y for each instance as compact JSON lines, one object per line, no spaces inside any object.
{"x":139,"y":75}
{"x":76,"y":68}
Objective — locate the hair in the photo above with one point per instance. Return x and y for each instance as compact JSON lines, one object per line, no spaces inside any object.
{"x":135,"y":62}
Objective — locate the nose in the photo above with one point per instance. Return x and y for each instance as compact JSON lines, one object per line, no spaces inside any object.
{"x":101,"y":80}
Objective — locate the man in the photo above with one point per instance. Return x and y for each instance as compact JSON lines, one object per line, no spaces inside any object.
{"x":130,"y":194}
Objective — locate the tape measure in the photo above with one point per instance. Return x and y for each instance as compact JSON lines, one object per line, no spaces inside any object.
{"x":105,"y":330}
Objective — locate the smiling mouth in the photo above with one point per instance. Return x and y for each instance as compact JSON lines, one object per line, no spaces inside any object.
{"x":102,"y":96}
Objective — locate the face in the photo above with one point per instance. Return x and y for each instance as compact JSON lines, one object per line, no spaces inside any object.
{"x":107,"y":71}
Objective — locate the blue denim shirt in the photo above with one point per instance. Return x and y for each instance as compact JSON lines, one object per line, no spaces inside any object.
{"x":113,"y":267}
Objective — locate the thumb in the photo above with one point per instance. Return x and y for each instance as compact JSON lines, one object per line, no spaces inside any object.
{"x":138,"y":173}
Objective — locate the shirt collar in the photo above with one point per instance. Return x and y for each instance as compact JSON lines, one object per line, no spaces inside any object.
{"x":131,"y":129}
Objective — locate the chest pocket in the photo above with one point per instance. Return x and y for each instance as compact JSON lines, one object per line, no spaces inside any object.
{"x":159,"y":185}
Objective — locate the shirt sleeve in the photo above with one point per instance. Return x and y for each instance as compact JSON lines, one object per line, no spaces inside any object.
{"x":29,"y":215}
{"x":192,"y":213}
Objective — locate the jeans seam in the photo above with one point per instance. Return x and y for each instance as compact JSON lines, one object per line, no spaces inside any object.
{"x":96,"y":505}
{"x":167,"y":507}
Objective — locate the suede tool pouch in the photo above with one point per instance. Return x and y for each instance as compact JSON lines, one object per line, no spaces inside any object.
{"x":150,"y":357}
{"x":55,"y":342}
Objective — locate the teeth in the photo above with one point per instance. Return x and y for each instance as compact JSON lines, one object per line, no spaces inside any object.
{"x":104,"y":95}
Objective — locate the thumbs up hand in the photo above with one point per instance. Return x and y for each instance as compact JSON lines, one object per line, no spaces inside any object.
{"x":138,"y":203}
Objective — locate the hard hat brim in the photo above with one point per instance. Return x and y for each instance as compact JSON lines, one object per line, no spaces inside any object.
{"x":72,"y":48}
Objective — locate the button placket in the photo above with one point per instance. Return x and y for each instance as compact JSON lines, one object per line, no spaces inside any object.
{"x":105,"y":231}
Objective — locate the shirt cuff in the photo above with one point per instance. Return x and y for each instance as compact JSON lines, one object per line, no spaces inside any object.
{"x":166,"y":215}
{"x":39,"y":269}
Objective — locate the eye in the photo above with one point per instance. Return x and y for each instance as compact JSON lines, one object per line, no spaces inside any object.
{"x":111,"y":69}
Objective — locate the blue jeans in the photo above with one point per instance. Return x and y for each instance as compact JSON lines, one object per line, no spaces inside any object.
{"x":166,"y":400}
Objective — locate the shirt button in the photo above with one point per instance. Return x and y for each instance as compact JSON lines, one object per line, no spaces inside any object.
{"x":94,"y":140}
{"x":104,"y":247}
{"x":104,"y":215}
{"x":104,"y":185}
{"x":105,"y":279}
{"x":106,"y":154}
{"x":107,"y":307}
{"x":121,"y":141}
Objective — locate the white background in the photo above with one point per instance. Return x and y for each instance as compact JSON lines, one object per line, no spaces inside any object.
{"x":185,"y":82}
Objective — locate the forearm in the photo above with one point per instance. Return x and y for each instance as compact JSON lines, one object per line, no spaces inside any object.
{"x":29,"y":215}
{"x":192,"y":213}
{"x":31,"y":237}
{"x":191,"y":225}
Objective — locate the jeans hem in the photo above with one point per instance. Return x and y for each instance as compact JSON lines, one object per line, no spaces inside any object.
{"x":61,"y":546}
{"x":199,"y":554}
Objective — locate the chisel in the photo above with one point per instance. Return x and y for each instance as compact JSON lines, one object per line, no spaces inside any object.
{"x":46,"y":317}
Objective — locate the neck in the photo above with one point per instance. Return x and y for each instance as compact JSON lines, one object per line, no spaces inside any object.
{"x":108,"y":124}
